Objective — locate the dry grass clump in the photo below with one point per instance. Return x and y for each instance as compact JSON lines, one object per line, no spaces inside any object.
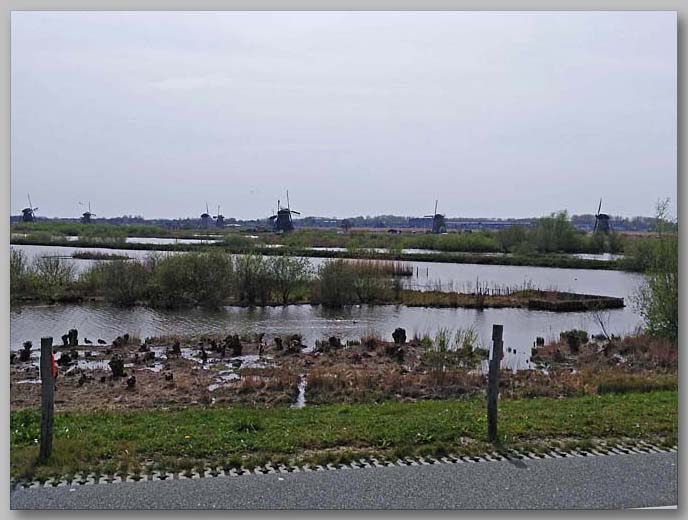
{"x":641,"y":352}
{"x":381,"y":267}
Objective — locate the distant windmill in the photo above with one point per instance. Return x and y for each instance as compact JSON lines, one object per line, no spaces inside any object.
{"x":281,"y":221}
{"x":438,"y":223}
{"x":602,"y":223}
{"x":28,"y":214}
{"x":205,"y":218}
{"x":219,"y":218}
{"x":86,"y":216}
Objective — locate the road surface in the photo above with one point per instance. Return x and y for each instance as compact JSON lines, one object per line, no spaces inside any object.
{"x":600,"y":482}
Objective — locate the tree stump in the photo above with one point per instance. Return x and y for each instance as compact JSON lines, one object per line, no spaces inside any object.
{"x":25,"y":352}
{"x":235,"y":345}
{"x":117,"y":366}
{"x":64,"y":360}
{"x":399,"y":336}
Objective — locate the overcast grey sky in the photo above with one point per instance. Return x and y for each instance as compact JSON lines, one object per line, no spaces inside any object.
{"x":361,"y":113}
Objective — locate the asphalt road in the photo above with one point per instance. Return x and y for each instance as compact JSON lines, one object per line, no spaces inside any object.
{"x":601,"y":482}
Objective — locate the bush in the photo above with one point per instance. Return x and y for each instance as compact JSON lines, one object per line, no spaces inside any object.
{"x":509,"y":238}
{"x":20,"y":273}
{"x":289,"y":274}
{"x":124,"y":282}
{"x":555,"y":233}
{"x":192,"y":279}
{"x":574,"y":338}
{"x":335,"y":284}
{"x":253,"y":278}
{"x":52,"y":275}
{"x":657,"y":299}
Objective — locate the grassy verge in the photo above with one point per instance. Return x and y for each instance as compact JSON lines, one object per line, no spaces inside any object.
{"x":175,"y":440}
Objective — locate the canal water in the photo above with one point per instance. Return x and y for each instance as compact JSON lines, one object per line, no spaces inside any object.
{"x":521,"y":326}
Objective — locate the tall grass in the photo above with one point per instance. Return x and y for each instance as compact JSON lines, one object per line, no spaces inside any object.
{"x":46,"y":277}
{"x":91,"y":230}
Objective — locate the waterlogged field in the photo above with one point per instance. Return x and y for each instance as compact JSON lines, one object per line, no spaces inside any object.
{"x":521,"y":326}
{"x":603,"y":390}
{"x":314,"y":322}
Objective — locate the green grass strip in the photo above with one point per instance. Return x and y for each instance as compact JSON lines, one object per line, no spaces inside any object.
{"x":86,"y":442}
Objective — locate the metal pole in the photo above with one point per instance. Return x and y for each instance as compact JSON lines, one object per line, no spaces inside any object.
{"x":47,"y":399}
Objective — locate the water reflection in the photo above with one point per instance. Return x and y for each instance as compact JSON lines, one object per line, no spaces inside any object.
{"x":521,"y":326}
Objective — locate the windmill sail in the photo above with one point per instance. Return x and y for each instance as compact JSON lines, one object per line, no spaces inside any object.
{"x":281,"y":220}
{"x":602,"y":221}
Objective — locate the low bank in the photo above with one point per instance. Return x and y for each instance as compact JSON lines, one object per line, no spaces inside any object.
{"x":553,"y":260}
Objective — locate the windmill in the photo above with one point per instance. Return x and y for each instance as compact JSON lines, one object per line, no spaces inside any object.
{"x":219,"y":218}
{"x":86,"y":216}
{"x":281,"y":220}
{"x":205,"y":218}
{"x":602,"y":224}
{"x":438,"y":224}
{"x":28,"y":214}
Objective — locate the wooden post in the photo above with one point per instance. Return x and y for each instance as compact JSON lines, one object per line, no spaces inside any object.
{"x":493,"y":382}
{"x":48,"y":399}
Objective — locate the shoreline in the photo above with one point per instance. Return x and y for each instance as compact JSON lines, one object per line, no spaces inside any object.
{"x":551,"y":301}
{"x":556,"y":260}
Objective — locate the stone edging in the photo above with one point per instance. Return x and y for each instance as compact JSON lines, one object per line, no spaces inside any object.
{"x":509,"y":455}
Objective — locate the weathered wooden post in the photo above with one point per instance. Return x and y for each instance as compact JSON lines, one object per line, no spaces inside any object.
{"x":493,"y":382}
{"x":48,"y":399}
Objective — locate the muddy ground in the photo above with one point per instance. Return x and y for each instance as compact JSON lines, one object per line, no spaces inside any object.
{"x":176,"y":372}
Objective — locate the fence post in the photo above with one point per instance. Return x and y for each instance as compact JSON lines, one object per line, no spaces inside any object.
{"x":47,"y":400}
{"x":493,"y":382}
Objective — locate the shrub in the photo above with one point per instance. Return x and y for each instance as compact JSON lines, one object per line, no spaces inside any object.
{"x":289,"y":274}
{"x":555,"y":233}
{"x":574,"y":338}
{"x":657,"y":299}
{"x":20,"y":273}
{"x":253,"y":279}
{"x":124,"y":282}
{"x":191,"y":279}
{"x":52,"y":274}
{"x":336,"y":283}
{"x":510,"y":237}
